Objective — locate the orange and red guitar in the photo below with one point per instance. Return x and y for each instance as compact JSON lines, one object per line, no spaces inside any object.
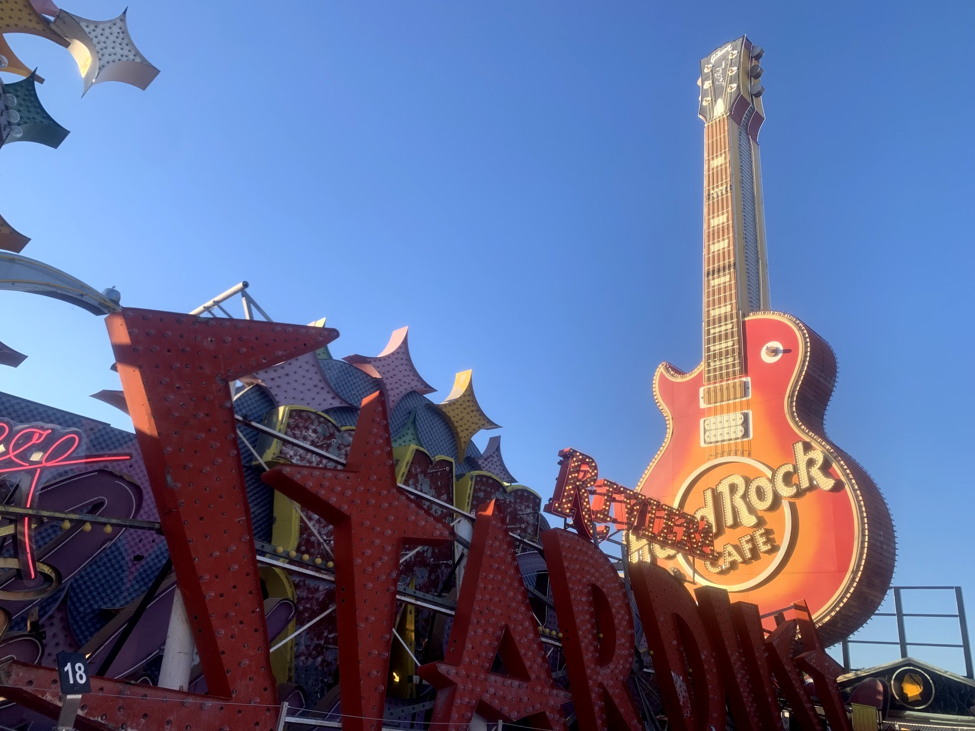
{"x":794,"y":516}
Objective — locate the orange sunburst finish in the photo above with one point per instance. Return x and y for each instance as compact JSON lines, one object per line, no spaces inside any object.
{"x":839,"y":557}
{"x":794,"y":517}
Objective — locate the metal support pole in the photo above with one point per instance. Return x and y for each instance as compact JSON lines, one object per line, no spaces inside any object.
{"x":464,"y":530}
{"x":899,"y":612}
{"x":177,"y":662}
{"x":253,"y":303}
{"x":846,"y":655}
{"x":966,"y":643}
{"x":136,"y":616}
{"x":245,"y":301}
{"x":69,"y":712}
{"x":220,"y":298}
{"x":283,"y":717}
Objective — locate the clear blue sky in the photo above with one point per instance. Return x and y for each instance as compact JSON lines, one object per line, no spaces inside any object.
{"x":520,"y":184}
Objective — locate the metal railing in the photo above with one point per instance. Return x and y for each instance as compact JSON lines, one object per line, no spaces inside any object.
{"x":900,"y":615}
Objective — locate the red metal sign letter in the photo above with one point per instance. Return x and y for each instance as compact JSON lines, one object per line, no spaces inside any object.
{"x":373,"y":519}
{"x":683,"y":659}
{"x":597,"y":627}
{"x":494,"y":619}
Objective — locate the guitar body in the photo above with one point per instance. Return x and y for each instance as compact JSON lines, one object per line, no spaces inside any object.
{"x":829,"y":541}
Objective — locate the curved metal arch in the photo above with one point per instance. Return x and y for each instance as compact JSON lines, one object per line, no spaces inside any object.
{"x":21,"y":274}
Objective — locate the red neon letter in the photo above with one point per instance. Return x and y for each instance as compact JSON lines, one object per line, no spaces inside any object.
{"x":822,"y":669}
{"x":373,"y":519}
{"x":780,"y":644}
{"x":577,"y":473}
{"x":594,"y":617}
{"x":684,"y":662}
{"x":751,"y":635}
{"x":748,"y":711}
{"x":494,"y":619}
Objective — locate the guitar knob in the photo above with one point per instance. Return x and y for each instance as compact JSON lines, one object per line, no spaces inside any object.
{"x":772,"y":351}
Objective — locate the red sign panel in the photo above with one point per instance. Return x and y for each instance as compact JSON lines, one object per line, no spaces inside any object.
{"x":589,"y":501}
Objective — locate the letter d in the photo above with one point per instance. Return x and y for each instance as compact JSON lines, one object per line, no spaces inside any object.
{"x":683,"y":658}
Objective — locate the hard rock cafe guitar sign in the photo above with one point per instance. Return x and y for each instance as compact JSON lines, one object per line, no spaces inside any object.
{"x":790,"y":514}
{"x":794,"y":516}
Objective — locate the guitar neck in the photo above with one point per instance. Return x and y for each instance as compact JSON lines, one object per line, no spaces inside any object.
{"x":735,"y":269}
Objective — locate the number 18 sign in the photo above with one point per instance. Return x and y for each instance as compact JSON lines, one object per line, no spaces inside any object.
{"x":73,"y":673}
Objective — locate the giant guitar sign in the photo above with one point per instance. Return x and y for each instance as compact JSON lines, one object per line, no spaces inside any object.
{"x":793,"y":515}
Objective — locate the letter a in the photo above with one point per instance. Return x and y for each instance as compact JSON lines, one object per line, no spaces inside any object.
{"x":494,"y":619}
{"x":694,"y":701}
{"x":597,"y":626}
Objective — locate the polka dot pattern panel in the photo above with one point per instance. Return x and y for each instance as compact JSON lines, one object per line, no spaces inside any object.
{"x":33,"y":121}
{"x":19,"y":16}
{"x":491,"y":461}
{"x":395,"y":366}
{"x":350,"y":383}
{"x":464,"y":412}
{"x":104,"y":50}
{"x":300,"y":382}
{"x":436,"y":435}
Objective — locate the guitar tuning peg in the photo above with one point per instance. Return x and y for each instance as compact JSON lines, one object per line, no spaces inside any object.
{"x":756,"y":71}
{"x":757,"y":52}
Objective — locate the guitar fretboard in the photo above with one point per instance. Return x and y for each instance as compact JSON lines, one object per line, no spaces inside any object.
{"x":722,"y":314}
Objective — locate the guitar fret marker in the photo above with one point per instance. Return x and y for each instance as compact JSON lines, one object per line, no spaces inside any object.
{"x":719,"y":245}
{"x":724,"y":345}
{"x":720,"y":310}
{"x":720,"y":280}
{"x":719,"y":160}
{"x":718,"y":220}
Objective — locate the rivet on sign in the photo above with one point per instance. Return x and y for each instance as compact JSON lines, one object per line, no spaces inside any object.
{"x":279,"y":549}
{"x":65,"y":525}
{"x":107,"y":529}
{"x":330,"y":565}
{"x":318,"y":561}
{"x":292,"y":554}
{"x":86,"y":527}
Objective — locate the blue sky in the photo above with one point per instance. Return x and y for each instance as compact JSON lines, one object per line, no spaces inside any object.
{"x":520,"y":184}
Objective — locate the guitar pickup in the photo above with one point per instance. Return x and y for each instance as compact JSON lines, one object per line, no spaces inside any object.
{"x":723,"y":393}
{"x":733,"y":427}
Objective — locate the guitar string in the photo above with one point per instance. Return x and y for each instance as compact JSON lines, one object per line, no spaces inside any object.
{"x":722,"y":371}
{"x":720,"y":365}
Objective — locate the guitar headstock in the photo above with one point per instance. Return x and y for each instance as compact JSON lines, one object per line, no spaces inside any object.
{"x":729,"y":78}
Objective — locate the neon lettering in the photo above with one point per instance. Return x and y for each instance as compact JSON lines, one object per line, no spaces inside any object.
{"x":588,"y":500}
{"x":32,"y":450}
